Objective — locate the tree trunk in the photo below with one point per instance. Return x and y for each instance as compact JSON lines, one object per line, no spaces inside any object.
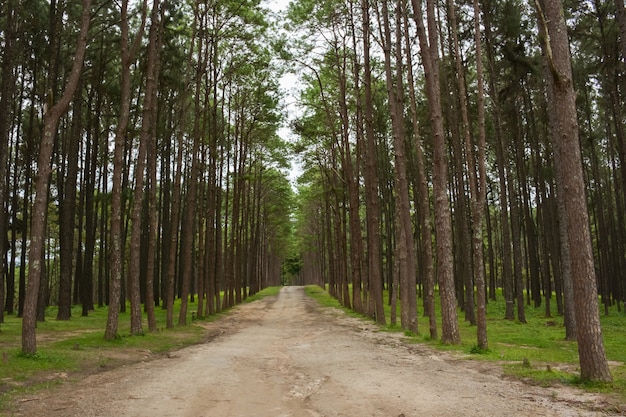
{"x":174,"y":223}
{"x":187,"y":232}
{"x":67,"y":212}
{"x":351,"y":173}
{"x":149,"y":112}
{"x":561,"y":95}
{"x":91,"y":218}
{"x":479,"y":191}
{"x":372,"y":203}
{"x":6,"y":93}
{"x":501,"y":162}
{"x":404,"y":250}
{"x":422,"y":197}
{"x":620,"y":13}
{"x":151,"y":167}
{"x":464,"y":179}
{"x":40,"y":206}
{"x":117,"y":239}
{"x":516,"y":236}
{"x":443,"y":228}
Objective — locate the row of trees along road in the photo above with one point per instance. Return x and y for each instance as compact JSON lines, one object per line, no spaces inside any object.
{"x":140,"y":158}
{"x":458,"y":146}
{"x":465,"y":146}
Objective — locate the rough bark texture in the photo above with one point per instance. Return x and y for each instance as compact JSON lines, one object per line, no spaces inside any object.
{"x":152,"y":218}
{"x":67,"y":215}
{"x":480,"y":193}
{"x":187,"y":234}
{"x":620,"y":13}
{"x":174,"y":222}
{"x":422,"y":197}
{"x":507,"y":275}
{"x":372,"y":203}
{"x":149,"y":112}
{"x":42,"y":180}
{"x":352,"y":185}
{"x":443,"y":227}
{"x":404,"y":251}
{"x":115,"y":280}
{"x":562,"y":97}
{"x":6,"y":92}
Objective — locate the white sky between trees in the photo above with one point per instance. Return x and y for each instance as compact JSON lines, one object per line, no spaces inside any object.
{"x":289,"y":83}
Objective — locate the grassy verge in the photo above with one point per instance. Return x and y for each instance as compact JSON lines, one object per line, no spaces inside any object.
{"x":69,"y":349}
{"x":535,"y":351}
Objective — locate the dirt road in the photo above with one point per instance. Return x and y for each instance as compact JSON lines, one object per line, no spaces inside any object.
{"x":285,"y":356}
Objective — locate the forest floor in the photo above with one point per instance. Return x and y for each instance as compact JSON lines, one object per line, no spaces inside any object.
{"x":286,"y":356}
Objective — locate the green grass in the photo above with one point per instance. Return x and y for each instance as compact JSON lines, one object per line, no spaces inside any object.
{"x":270,"y":291}
{"x":536,"y":351}
{"x":74,"y":347}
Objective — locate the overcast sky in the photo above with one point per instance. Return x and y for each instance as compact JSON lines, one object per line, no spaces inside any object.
{"x":289,"y":84}
{"x":277,"y":5}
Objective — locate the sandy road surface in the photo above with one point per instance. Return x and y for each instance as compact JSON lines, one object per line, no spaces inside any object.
{"x":285,"y":356}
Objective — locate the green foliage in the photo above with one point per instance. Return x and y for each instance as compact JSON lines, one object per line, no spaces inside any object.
{"x":291,"y":268}
{"x":477,"y":350}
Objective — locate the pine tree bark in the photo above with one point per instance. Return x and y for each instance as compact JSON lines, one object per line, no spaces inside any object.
{"x":351,"y":170}
{"x":173,"y":234}
{"x":6,"y":93}
{"x":151,"y":169}
{"x":463,"y":169}
{"x":562,"y":97}
{"x":422,"y":196}
{"x":620,"y":13}
{"x":67,"y":214}
{"x":443,"y":227}
{"x":404,"y":251}
{"x":117,"y":239}
{"x":359,"y":293}
{"x":91,"y":216}
{"x":149,"y":112}
{"x":516,"y":236}
{"x":479,"y":191}
{"x":372,"y":203}
{"x":187,"y":232}
{"x":501,"y":162}
{"x":52,"y":117}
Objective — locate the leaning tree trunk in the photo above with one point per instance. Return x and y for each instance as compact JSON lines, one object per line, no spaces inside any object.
{"x":42,"y":180}
{"x":149,"y":112}
{"x":561,"y":95}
